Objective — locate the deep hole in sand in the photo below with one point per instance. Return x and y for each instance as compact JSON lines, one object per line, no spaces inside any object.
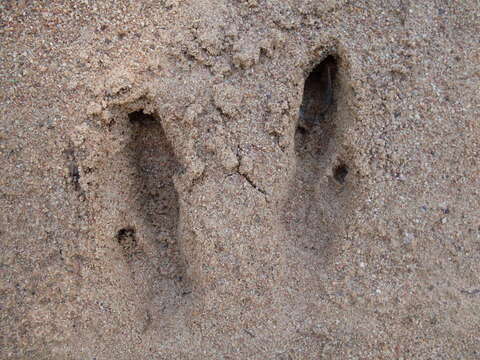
{"x":140,"y":117}
{"x":318,"y":90}
{"x":340,"y":173}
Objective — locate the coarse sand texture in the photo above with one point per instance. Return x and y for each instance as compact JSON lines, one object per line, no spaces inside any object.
{"x":243,"y":179}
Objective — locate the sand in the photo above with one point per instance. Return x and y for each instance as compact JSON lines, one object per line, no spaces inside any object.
{"x":258,"y":179}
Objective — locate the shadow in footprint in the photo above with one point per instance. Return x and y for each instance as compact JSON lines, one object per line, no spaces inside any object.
{"x":156,"y":197}
{"x":318,"y":91}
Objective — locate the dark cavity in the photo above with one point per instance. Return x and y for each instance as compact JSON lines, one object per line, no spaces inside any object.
{"x":318,"y":90}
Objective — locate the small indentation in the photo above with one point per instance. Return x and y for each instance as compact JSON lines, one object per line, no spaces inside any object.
{"x":302,"y":131}
{"x":74,"y":175}
{"x":127,"y":240}
{"x":340,"y":173}
{"x":73,"y":170}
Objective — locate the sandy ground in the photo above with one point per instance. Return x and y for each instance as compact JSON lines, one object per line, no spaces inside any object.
{"x":260,"y":179}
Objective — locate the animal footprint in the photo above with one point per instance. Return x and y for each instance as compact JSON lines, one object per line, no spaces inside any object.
{"x":314,"y":208}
